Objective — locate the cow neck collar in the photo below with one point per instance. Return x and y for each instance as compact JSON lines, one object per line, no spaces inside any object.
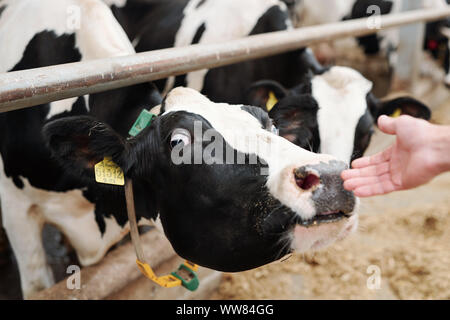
{"x":186,"y":274}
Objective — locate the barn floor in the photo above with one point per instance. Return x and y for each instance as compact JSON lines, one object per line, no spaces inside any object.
{"x":405,"y":235}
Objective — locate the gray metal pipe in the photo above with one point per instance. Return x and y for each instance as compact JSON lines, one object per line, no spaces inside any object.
{"x":21,"y":89}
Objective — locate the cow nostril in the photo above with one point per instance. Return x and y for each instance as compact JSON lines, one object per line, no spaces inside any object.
{"x":307,"y":182}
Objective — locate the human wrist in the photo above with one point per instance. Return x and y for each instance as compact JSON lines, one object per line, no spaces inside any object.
{"x":440,"y":143}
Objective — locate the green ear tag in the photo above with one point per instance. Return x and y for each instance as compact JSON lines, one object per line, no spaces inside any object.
{"x":142,"y":122}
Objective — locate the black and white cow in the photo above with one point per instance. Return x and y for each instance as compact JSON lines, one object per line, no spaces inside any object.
{"x":185,"y":22}
{"x":333,"y":112}
{"x":334,"y":108}
{"x":219,"y":212}
{"x":437,"y":34}
{"x":35,"y":190}
{"x":216,"y":211}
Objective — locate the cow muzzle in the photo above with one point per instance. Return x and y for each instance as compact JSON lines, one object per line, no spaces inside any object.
{"x":321,"y":210}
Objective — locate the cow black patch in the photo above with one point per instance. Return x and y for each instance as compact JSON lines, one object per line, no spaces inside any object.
{"x":260,"y":115}
{"x":222,"y":85}
{"x":21,"y":144}
{"x":23,"y":147}
{"x":199,"y":34}
{"x":180,"y":81}
{"x":156,"y":29}
{"x":370,"y":43}
{"x":363,"y":134}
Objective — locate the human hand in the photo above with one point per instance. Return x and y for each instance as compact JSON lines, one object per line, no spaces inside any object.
{"x":413,"y":160}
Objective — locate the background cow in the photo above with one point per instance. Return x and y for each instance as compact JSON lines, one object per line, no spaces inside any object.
{"x":437,"y":34}
{"x":33,"y":188}
{"x":330,"y":110}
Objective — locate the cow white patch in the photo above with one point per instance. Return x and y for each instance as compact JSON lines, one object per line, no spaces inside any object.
{"x":224,"y":20}
{"x":24,"y":212}
{"x":311,"y":12}
{"x":341,"y":95}
{"x":99,"y":35}
{"x":61,"y":106}
{"x":243,"y":132}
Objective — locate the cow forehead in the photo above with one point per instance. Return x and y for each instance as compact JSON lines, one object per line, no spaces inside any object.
{"x":242,"y":131}
{"x":341,"y":95}
{"x":344,"y":79}
{"x":222,"y":116}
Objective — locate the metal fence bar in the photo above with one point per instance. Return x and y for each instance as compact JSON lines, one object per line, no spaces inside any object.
{"x":409,"y":51}
{"x":27,"y":88}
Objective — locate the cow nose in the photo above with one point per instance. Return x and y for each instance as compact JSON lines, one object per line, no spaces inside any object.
{"x":305,"y":180}
{"x":324,"y":180}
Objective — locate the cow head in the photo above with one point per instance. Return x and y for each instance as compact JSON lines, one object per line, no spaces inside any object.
{"x":332,"y":112}
{"x":231,"y":194}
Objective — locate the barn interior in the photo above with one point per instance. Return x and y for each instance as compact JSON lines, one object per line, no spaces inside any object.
{"x":404,"y":236}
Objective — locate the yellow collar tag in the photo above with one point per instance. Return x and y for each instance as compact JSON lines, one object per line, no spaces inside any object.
{"x":271,"y":102}
{"x":108,"y":172}
{"x":397,"y":113}
{"x":174,"y":279}
{"x":168,"y":281}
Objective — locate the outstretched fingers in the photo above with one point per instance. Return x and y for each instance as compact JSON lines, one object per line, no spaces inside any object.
{"x":382,"y":187}
{"x":378,"y":158}
{"x":354,"y":183}
{"x":370,"y":171}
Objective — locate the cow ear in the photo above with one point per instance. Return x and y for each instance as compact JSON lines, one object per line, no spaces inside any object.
{"x":79,"y":143}
{"x":403,"y":106}
{"x":265,"y":94}
{"x":296,"y":119}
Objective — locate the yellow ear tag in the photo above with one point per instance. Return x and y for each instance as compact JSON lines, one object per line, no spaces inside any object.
{"x":108,"y":172}
{"x":397,"y":113}
{"x":272,"y":101}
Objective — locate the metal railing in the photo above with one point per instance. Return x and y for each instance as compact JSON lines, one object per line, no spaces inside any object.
{"x":21,"y":89}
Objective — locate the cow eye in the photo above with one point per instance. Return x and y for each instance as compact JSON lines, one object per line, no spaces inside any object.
{"x":180,"y":136}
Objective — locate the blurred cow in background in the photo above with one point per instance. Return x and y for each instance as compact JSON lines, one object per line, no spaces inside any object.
{"x":437,"y":34}
{"x":34,"y":188}
{"x":327,"y":110}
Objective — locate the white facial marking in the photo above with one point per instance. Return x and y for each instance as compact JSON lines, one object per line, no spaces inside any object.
{"x":341,"y":95}
{"x":235,"y":124}
{"x":224,"y":20}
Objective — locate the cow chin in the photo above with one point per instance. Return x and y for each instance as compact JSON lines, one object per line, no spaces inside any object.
{"x":320,"y":236}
